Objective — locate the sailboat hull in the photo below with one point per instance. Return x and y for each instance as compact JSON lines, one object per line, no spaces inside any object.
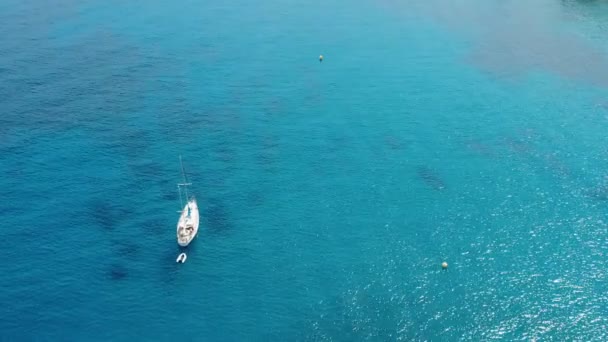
{"x":187,"y":225}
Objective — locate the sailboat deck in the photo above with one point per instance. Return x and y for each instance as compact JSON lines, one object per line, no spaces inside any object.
{"x":187,"y":226}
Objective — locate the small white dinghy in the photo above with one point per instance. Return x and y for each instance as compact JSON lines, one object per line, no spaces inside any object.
{"x":181,"y":258}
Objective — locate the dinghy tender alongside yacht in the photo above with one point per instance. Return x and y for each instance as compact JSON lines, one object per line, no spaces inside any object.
{"x":187,"y":225}
{"x":181,"y":258}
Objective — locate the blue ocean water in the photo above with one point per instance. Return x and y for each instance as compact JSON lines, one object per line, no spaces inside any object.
{"x":330,"y":193}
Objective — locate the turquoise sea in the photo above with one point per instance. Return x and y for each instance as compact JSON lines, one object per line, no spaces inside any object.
{"x":472,"y":132}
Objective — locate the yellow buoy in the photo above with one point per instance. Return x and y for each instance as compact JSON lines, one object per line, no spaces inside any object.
{"x":320,"y":58}
{"x":444,"y":265}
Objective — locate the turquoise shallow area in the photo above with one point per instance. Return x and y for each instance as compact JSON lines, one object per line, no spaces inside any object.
{"x":330,"y":192}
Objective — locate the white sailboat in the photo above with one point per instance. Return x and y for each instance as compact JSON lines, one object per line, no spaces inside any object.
{"x":187,"y":225}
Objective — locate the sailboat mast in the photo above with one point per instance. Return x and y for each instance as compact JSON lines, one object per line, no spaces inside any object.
{"x":181,"y":202}
{"x":185,"y":183}
{"x":179,"y":189}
